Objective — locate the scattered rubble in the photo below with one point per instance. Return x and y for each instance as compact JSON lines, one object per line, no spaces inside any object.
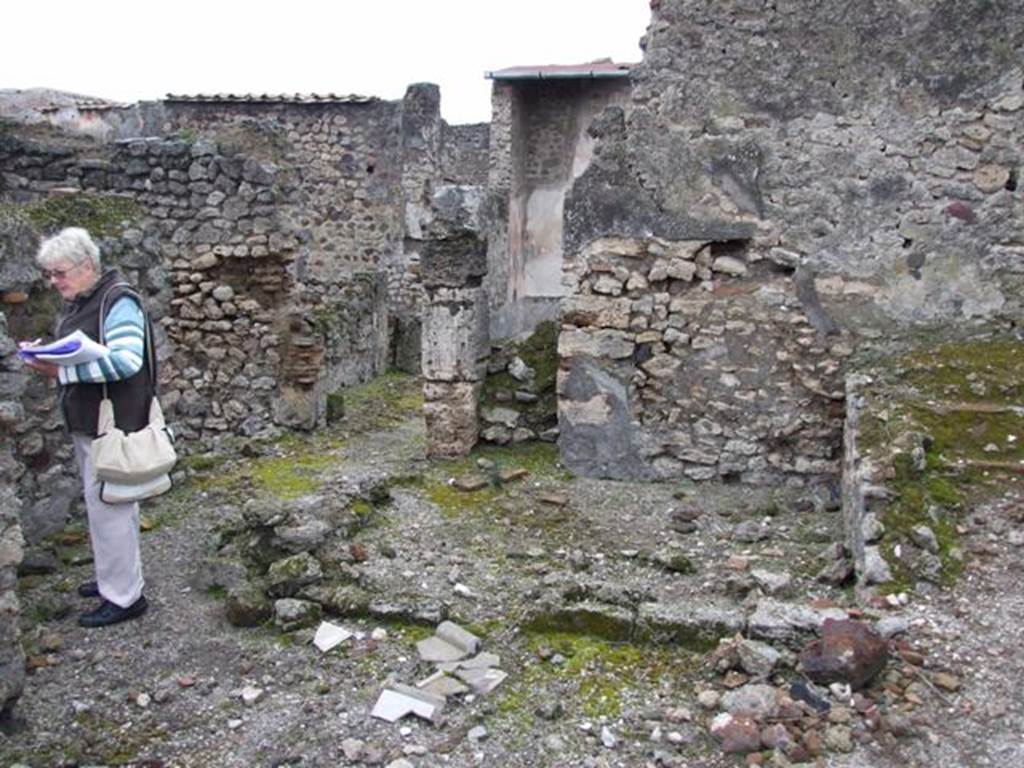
{"x":458,"y":672}
{"x":330,"y":636}
{"x":848,"y":651}
{"x":714,"y":656}
{"x":450,"y":643}
{"x":397,"y":700}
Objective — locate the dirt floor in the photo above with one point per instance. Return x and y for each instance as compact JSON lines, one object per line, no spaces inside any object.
{"x":549,"y":571}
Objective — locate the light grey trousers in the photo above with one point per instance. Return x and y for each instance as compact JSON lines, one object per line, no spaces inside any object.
{"x":114,"y":532}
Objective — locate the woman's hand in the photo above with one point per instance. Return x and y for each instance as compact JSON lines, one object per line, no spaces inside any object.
{"x":46,"y":369}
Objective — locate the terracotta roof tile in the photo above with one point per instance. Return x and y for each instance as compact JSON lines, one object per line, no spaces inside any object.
{"x":265,"y":98}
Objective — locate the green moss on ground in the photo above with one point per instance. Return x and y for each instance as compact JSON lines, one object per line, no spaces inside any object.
{"x":295,"y":466}
{"x":291,"y":475}
{"x":587,"y":623}
{"x":922,"y":498}
{"x":596,"y":678}
{"x":970,"y":371}
{"x":382,"y":402}
{"x":963,"y":399}
{"x":202,"y":462}
{"x":539,"y":460}
{"x":454,"y":502}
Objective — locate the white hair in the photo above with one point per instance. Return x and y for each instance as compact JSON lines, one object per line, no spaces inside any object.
{"x":73,"y":245}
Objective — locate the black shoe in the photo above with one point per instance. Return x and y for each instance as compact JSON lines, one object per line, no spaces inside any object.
{"x":108,"y":613}
{"x":88,"y":589}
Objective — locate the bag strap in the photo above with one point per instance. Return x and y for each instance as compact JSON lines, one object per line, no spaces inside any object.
{"x":147,"y":337}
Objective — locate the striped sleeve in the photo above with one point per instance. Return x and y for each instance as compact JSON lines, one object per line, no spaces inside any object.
{"x":125,"y":335}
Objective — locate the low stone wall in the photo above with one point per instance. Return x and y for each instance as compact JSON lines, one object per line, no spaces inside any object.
{"x":519,"y":401}
{"x":932,"y":432}
{"x":694,"y":359}
{"x":865,"y":496}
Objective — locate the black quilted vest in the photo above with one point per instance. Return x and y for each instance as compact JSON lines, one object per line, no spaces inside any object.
{"x":80,"y":403}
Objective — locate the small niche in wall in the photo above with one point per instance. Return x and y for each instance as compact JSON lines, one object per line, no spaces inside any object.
{"x":736,"y":248}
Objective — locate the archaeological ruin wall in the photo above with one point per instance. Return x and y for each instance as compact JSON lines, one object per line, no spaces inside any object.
{"x":539,"y":146}
{"x":367,"y":169}
{"x":200,"y":233}
{"x":792,"y":188}
{"x":346,"y":202}
{"x":269,"y":241}
{"x":12,"y":656}
{"x":464,"y":153}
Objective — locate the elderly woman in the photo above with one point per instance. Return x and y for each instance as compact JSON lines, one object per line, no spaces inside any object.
{"x":71,"y":262}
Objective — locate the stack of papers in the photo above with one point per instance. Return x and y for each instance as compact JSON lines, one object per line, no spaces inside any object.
{"x":72,"y":349}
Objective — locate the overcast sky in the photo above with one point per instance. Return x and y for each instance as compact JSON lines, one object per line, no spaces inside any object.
{"x":141,"y":50}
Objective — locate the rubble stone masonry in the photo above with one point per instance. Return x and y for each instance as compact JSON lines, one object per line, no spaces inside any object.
{"x":267,"y":240}
{"x":12,"y":657}
{"x":857,"y":167}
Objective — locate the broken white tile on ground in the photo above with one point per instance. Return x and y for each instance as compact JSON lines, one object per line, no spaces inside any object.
{"x":482,"y":681}
{"x":397,"y":700}
{"x":441,"y":684}
{"x":455,"y":635}
{"x":434,"y":649}
{"x":480,"y":661}
{"x":329,"y":636}
{"x":449,"y":643}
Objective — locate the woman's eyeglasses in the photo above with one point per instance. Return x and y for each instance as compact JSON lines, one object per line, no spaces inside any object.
{"x":58,"y":274}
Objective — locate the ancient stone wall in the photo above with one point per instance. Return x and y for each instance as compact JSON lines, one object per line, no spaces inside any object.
{"x":679,"y":358}
{"x":860,"y":164}
{"x":12,"y":416}
{"x":243,"y":343}
{"x":267,"y":237}
{"x":465,"y":152}
{"x":347,"y":151}
{"x":201,"y":234}
{"x":455,"y":320}
{"x":366,"y":169}
{"x":539,"y":146}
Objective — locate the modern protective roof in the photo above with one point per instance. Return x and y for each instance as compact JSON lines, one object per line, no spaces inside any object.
{"x":593,"y":69}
